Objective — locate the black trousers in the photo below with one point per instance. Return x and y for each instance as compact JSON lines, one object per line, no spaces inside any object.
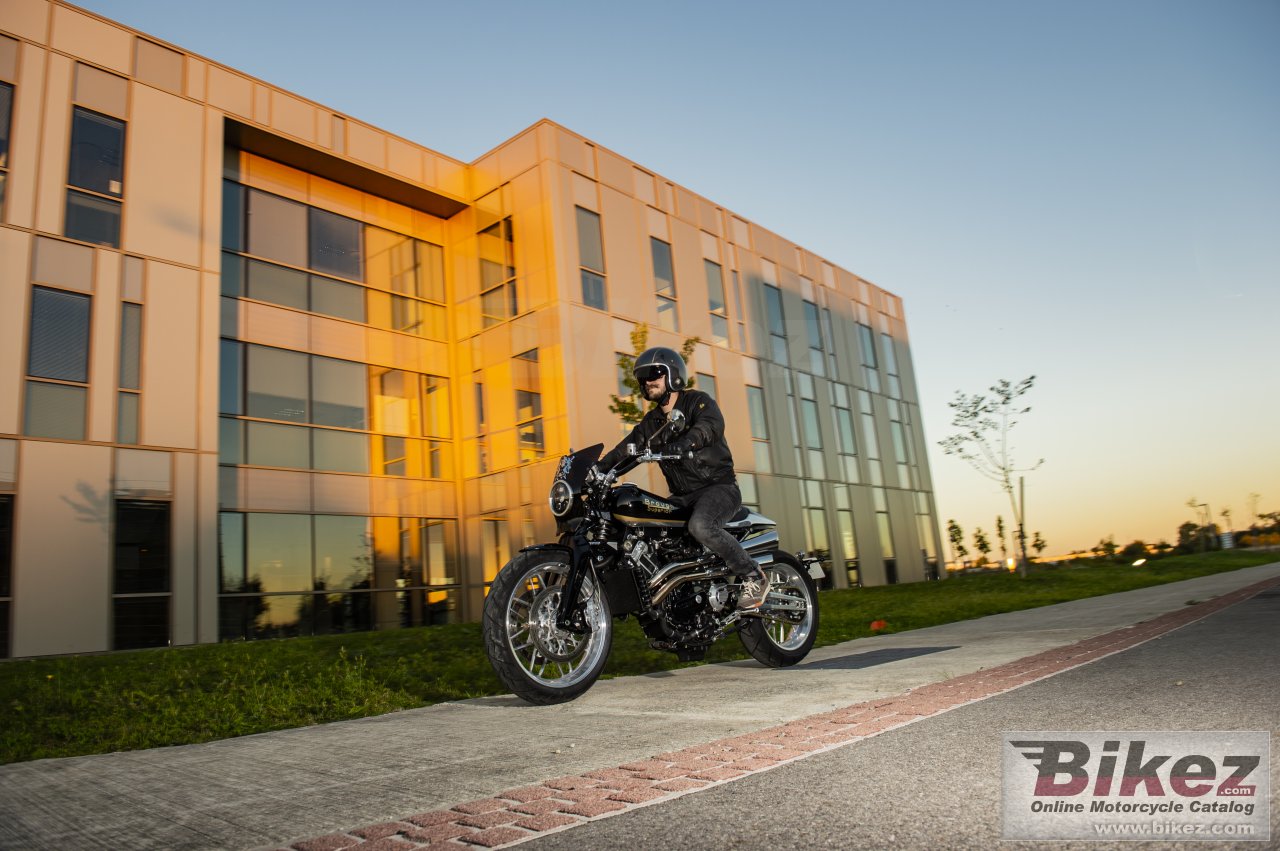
{"x":713,"y":506}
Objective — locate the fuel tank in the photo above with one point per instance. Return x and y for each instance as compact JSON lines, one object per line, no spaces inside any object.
{"x":636,"y":507}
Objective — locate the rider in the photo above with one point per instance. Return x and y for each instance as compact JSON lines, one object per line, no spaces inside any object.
{"x":703,"y":478}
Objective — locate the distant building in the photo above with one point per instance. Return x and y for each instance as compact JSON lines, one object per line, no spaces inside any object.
{"x":266,"y":370}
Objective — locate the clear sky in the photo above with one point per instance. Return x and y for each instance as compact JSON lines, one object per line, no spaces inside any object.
{"x":1087,"y":191}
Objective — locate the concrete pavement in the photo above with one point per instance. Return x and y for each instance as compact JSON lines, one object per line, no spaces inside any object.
{"x":278,"y":788}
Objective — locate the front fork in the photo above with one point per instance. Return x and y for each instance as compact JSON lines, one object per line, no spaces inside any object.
{"x":571,"y":617}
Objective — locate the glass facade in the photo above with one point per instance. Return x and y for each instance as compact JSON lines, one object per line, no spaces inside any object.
{"x":95,"y":178}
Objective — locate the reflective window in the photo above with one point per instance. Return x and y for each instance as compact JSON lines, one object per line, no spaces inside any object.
{"x":498,"y":297}
{"x":231,"y":570}
{"x":344,"y":553}
{"x":277,"y":228}
{"x":775,"y":324}
{"x":6,"y":108}
{"x":130,"y":346}
{"x":334,"y":298}
{"x":707,"y":384}
{"x":716,"y":303}
{"x":55,"y":410}
{"x":230,"y":376}
{"x":92,"y":219}
{"x":494,"y":546}
{"x":232,"y":216}
{"x":664,"y":278}
{"x":273,"y":445}
{"x":591,"y":259}
{"x":667,"y":317}
{"x":127,"y":418}
{"x":431,"y":272}
{"x":276,"y":284}
{"x":59,"y":343}
{"x":338,"y":393}
{"x":436,"y":420}
{"x":278,"y":548}
{"x":97,"y":153}
{"x":396,"y":406}
{"x":277,"y":384}
{"x":335,"y":245}
{"x":340,"y":451}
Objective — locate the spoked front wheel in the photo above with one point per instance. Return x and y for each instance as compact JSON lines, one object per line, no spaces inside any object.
{"x":783,"y":631}
{"x":537,"y":660}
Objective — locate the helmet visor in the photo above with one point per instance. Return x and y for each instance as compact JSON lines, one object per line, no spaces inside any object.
{"x":650,"y":373}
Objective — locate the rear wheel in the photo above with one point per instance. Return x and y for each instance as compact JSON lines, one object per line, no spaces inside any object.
{"x":783,"y":631}
{"x":537,"y":660}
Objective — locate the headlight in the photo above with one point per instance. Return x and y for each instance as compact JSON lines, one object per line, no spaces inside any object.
{"x":561,"y":498}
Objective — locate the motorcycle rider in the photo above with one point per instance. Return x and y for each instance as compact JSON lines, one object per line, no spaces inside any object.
{"x":703,"y":478}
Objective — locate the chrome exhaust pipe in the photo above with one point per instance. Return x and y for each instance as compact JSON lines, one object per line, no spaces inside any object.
{"x":673,"y":584}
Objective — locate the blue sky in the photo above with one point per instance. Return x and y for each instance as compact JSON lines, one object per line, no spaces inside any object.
{"x":1086,"y":191}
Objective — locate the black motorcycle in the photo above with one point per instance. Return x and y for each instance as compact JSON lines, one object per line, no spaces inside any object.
{"x":623,"y":551}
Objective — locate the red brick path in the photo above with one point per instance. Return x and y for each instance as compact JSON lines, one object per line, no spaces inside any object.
{"x":561,"y":803}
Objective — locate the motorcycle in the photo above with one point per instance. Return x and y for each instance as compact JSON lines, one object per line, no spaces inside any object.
{"x":548,"y":617}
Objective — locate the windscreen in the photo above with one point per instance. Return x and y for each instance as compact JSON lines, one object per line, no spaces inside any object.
{"x":580,"y":462}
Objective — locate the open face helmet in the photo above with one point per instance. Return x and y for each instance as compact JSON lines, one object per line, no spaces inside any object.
{"x":661,"y":361}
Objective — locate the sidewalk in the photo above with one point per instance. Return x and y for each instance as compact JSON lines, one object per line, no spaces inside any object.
{"x":276,"y":788}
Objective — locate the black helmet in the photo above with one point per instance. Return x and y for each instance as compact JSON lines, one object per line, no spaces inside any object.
{"x":663,"y":360}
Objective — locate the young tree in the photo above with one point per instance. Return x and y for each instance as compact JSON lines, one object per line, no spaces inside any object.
{"x":630,"y":408}
{"x":956,"y":537}
{"x":1038,"y":544}
{"x":1004,"y":549}
{"x":984,"y":423}
{"x":1105,"y":548}
{"x":982,"y":545}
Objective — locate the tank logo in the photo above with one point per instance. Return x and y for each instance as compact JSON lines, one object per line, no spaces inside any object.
{"x":658,"y":505}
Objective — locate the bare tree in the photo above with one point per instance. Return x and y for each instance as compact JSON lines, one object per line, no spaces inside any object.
{"x":984,"y":422}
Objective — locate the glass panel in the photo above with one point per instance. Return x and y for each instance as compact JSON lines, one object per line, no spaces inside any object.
{"x":886,"y":535}
{"x":590,"y":247}
{"x":439,"y":551}
{"x":394,"y":455}
{"x":229,"y":377}
{"x":707,"y":384}
{"x":763,"y":462}
{"x":127,"y":418}
{"x":55,"y":410}
{"x":431,"y":271}
{"x":593,"y":293}
{"x":528,"y":405}
{"x":715,"y":287}
{"x":232,"y":275}
{"x":340,"y":451}
{"x":812,"y":434}
{"x":494,"y":546}
{"x":230,"y":441}
{"x":667,"y":314}
{"x":773,"y":310}
{"x":272,"y":445}
{"x":719,"y":330}
{"x":97,"y":153}
{"x":130,"y":346}
{"x":232,"y":216}
{"x":395,"y":401}
{"x":278,"y":285}
{"x":392,"y":261}
{"x":277,"y":384}
{"x":140,"y":622}
{"x":664,"y":279}
{"x":142,"y":547}
{"x":334,"y":614}
{"x":335,"y":245}
{"x":93,"y":219}
{"x":890,"y":359}
{"x":255,"y":618}
{"x":496,"y":304}
{"x":338,"y":393}
{"x":755,"y":405}
{"x":279,"y":552}
{"x":844,"y":428}
{"x":866,"y":343}
{"x":532,"y":443}
{"x":436,"y":422}
{"x":812,"y":327}
{"x":231,"y":553}
{"x":435,"y":322}
{"x":6,"y":548}
{"x":406,"y":315}
{"x":344,"y":553}
{"x":421,"y":608}
{"x":334,"y":298}
{"x":59,"y":345}
{"x":277,"y":228}
{"x":6,"y":108}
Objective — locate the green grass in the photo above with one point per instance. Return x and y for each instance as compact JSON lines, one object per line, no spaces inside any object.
{"x":76,"y":705}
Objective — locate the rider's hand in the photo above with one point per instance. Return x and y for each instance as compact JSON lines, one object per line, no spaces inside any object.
{"x":682,"y":446}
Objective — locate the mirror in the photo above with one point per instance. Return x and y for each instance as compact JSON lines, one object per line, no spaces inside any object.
{"x":631,"y":449}
{"x":675,"y":420}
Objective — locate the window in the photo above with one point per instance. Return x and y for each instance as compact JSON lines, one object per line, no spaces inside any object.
{"x":848,"y":541}
{"x":707,"y":384}
{"x":58,"y":354}
{"x":759,"y":429}
{"x":716,"y":303}
{"x":871,"y":439}
{"x":130,"y":373}
{"x":95,"y":178}
{"x":335,"y":247}
{"x":812,"y":430}
{"x":495,"y":547}
{"x":813,"y":333}
{"x":6,"y":110}
{"x":664,"y":284}
{"x":775,"y":324}
{"x":846,"y":439}
{"x":498,"y":298}
{"x":591,"y":260}
{"x":817,"y":538}
{"x":6,"y":569}
{"x":140,"y":596}
{"x":867,"y":345}
{"x":526,"y":375}
{"x":891,"y":366}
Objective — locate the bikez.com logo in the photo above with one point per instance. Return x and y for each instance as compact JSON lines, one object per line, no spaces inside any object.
{"x":1168,"y":781}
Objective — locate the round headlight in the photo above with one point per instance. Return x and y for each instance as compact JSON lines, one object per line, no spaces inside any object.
{"x":561,"y":498}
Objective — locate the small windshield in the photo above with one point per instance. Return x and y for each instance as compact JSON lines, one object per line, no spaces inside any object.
{"x":580,"y":462}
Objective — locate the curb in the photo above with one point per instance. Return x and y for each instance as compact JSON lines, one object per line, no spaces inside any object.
{"x":518,"y":815}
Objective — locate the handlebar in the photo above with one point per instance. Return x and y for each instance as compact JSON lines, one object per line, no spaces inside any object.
{"x":630,"y":462}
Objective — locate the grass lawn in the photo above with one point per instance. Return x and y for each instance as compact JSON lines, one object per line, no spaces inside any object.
{"x":74,"y":705}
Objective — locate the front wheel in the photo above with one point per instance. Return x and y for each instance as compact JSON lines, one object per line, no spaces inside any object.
{"x":537,"y":660}
{"x":787,"y":624}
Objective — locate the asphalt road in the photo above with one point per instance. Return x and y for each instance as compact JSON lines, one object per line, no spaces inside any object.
{"x":936,"y":783}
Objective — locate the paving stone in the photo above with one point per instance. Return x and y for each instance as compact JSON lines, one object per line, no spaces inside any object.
{"x":494,"y":837}
{"x":590,"y":809}
{"x":496,"y":818}
{"x":638,"y":796}
{"x":437,"y":833}
{"x":483,"y":805}
{"x":682,"y":784}
{"x":528,"y":793}
{"x":595,"y":793}
{"x":537,"y":808}
{"x":550,"y":821}
{"x":377,"y":831}
{"x":570,"y":783}
{"x":717,"y":774}
{"x":432,"y":818}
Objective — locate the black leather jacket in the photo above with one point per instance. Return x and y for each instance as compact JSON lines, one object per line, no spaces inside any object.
{"x":711,"y":464}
